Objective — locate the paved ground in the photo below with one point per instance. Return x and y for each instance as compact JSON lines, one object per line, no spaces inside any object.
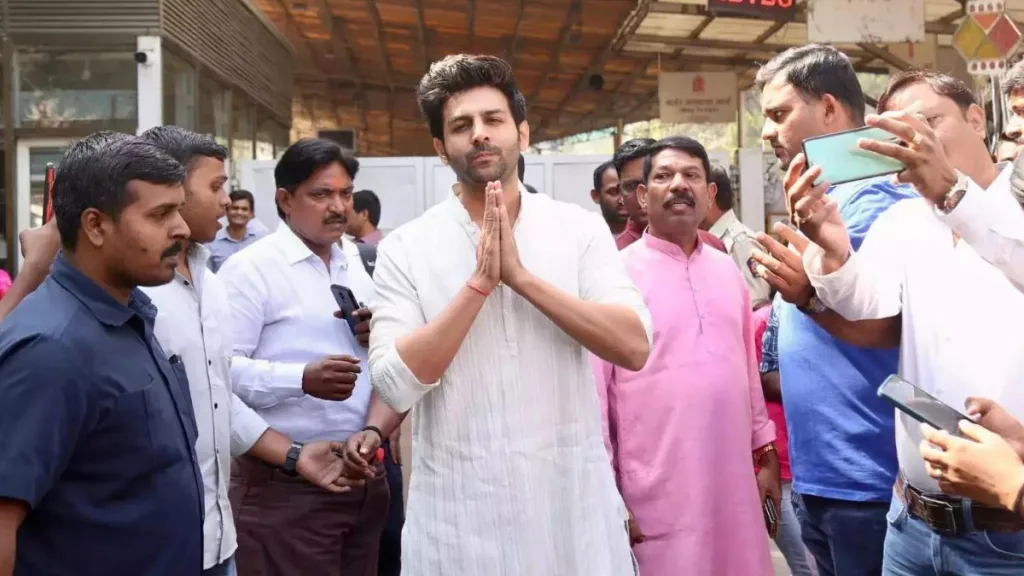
{"x":781,"y":569}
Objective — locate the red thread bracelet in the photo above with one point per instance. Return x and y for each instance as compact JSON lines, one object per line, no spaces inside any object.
{"x":477,"y":290}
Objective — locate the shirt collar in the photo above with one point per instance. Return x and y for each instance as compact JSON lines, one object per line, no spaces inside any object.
{"x":1003,"y":178}
{"x":669,"y":248}
{"x":222,"y":234}
{"x":97,"y":300}
{"x":634,"y":227}
{"x":295,"y":250}
{"x":725,"y":221}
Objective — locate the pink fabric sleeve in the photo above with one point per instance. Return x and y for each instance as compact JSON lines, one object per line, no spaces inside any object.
{"x":764,"y":429}
{"x":604,"y":379}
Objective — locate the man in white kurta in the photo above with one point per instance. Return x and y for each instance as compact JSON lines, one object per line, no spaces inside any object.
{"x":510,"y":477}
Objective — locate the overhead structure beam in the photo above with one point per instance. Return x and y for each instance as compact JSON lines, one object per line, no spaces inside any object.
{"x":885,"y":56}
{"x":378,"y":27}
{"x":342,"y":50}
{"x":471,"y":23}
{"x":745,"y":47}
{"x":513,"y":43}
{"x":421,"y":32}
{"x":572,"y":18}
{"x":628,"y":28}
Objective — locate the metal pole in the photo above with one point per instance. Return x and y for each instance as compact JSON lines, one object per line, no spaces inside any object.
{"x":997,"y":112}
{"x":617,"y":137}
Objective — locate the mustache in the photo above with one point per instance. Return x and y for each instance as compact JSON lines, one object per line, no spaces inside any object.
{"x":680,"y":198}
{"x":485,"y":149}
{"x":335,"y":219}
{"x":172,"y":250}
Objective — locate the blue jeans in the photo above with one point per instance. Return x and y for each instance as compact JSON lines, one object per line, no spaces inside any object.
{"x":788,"y":538}
{"x":225,"y":568}
{"x":913,"y":549}
{"x":846,"y":538}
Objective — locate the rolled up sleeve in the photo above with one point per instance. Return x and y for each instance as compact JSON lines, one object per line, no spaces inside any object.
{"x":396,"y":312}
{"x":44,"y":410}
{"x":246,"y":426}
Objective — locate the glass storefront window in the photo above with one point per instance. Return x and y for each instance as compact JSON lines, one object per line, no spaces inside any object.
{"x":179,"y":86}
{"x":214,"y":109}
{"x":58,"y":89}
{"x":243,"y":115}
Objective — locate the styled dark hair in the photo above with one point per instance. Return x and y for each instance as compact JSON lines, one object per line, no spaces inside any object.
{"x":941,"y":84}
{"x":302,"y":159}
{"x":1013,"y":80}
{"x":95,"y":173}
{"x":240,"y":194}
{"x":815,"y":70}
{"x":720,"y":178}
{"x":599,"y":172}
{"x":683,"y":144}
{"x":367,"y":201}
{"x":185,"y":146}
{"x":458,"y":73}
{"x":630,"y":150}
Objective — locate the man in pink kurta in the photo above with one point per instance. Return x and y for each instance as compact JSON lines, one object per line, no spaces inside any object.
{"x":684,"y":432}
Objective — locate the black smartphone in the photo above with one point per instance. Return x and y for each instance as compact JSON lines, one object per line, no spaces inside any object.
{"x":771,"y":517}
{"x":921,"y":405}
{"x":347,"y":303}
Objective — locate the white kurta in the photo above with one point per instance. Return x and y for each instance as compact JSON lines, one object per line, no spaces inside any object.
{"x":509,"y":474}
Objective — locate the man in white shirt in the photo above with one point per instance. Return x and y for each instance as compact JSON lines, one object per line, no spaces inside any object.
{"x":486,"y":307}
{"x":738,"y":238}
{"x":938,"y":263}
{"x":301,"y":369}
{"x":193,"y":323}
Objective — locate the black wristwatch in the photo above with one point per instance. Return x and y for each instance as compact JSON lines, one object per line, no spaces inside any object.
{"x":292,"y":459}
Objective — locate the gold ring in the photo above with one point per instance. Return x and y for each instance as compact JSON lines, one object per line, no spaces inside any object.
{"x":918,"y":139}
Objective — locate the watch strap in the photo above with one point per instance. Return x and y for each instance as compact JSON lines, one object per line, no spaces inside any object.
{"x":291,"y":460}
{"x":814,"y":305}
{"x":955,"y":194}
{"x":375,"y":430}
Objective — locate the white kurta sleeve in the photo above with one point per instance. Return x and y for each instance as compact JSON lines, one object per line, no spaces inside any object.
{"x":603,"y":277}
{"x":396,"y":312}
{"x":992,"y":223}
{"x":260,"y":383}
{"x":870,"y":284}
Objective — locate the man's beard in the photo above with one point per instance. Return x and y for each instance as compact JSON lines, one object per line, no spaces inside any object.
{"x":611,"y":214}
{"x":467,"y":173}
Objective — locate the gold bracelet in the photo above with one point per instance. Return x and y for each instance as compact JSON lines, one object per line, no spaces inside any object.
{"x":769,"y":447}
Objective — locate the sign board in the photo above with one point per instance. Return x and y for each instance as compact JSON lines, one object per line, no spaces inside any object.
{"x":872,"y":21}
{"x":697,"y":97}
{"x":987,"y":37}
{"x":779,"y":10}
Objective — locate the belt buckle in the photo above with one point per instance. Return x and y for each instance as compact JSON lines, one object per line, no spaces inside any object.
{"x":948,"y":511}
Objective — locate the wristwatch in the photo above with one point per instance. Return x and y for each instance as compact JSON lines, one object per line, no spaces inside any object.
{"x":769,"y":447}
{"x":954,"y":195}
{"x":813,"y":306}
{"x":292,"y":459}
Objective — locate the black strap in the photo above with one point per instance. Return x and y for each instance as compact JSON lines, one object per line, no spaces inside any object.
{"x":368,"y":254}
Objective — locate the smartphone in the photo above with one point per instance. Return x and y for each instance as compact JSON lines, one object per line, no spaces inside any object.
{"x":921,"y":405}
{"x":48,"y":197}
{"x":841,"y":160}
{"x":347,"y":303}
{"x":771,"y":518}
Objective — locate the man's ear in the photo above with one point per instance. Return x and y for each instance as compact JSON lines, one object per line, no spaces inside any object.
{"x":975,"y":116}
{"x":96,"y":226}
{"x":641,"y":195}
{"x":524,"y":136}
{"x":595,"y":196}
{"x":439,"y":148}
{"x":712,"y":191}
{"x":830,"y":109}
{"x":283,"y":199}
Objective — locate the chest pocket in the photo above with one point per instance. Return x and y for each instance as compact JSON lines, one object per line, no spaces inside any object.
{"x":143,"y":425}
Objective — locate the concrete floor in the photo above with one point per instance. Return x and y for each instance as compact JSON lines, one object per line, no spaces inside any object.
{"x":779,"y":563}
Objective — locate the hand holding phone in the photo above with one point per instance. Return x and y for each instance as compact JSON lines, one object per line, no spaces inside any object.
{"x":771,"y":518}
{"x":921,"y":405}
{"x":347,"y":305}
{"x":842,"y":160}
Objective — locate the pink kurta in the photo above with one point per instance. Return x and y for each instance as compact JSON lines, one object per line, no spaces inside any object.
{"x":681,"y":431}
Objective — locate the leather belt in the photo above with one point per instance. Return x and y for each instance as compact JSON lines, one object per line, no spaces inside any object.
{"x":945,"y":514}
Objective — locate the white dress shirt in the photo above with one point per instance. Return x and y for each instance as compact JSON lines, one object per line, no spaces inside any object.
{"x":193,"y":322}
{"x":509,"y":472}
{"x":283,"y":319}
{"x":960,"y":312}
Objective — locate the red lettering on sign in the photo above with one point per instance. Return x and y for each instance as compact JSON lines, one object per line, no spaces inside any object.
{"x":698,"y":84}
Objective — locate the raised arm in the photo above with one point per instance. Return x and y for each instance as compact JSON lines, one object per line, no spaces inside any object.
{"x":39,"y":246}
{"x":609,"y":317}
{"x":993,"y":224}
{"x":408,"y":355}
{"x":259,"y":383}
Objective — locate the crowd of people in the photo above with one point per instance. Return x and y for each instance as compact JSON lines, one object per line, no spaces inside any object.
{"x":658,"y":390}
